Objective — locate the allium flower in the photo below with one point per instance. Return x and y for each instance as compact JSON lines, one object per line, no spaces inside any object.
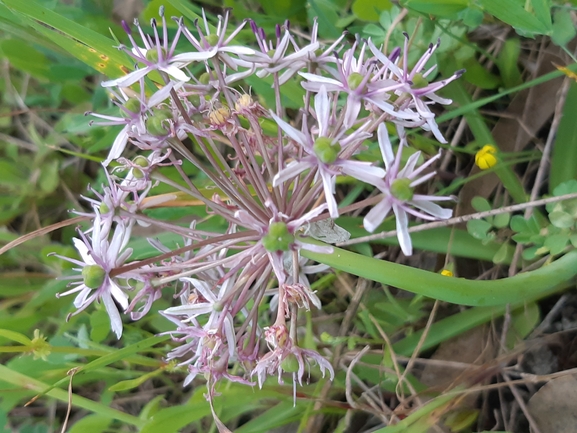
{"x":99,"y":257}
{"x":414,"y":83}
{"x":360,"y":80}
{"x":135,"y":112}
{"x":286,"y":356}
{"x":210,"y":45}
{"x":156,"y":55}
{"x":323,"y":153}
{"x":398,"y":192}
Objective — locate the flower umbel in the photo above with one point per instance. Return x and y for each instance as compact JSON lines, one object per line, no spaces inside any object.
{"x":253,"y":185}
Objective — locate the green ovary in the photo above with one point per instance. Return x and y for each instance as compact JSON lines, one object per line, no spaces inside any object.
{"x":132,"y":105}
{"x":419,"y":81}
{"x":278,"y":238}
{"x":93,"y":276}
{"x":355,"y":80}
{"x":326,"y":150}
{"x":401,"y":189}
{"x":290,"y":364}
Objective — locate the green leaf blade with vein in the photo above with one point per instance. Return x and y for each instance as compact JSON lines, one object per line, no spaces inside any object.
{"x":88,"y":46}
{"x":455,"y":290}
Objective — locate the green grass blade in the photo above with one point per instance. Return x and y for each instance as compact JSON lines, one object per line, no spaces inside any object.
{"x":25,"y":382}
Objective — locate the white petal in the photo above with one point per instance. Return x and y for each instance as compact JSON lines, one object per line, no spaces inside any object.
{"x":117,"y":147}
{"x":175,"y":73}
{"x":238,"y":49}
{"x":434,"y":209}
{"x":128,"y":79}
{"x":118,"y":295}
{"x":293,"y":133}
{"x":377,"y":214}
{"x":293,"y":169}
{"x":320,"y":79}
{"x":403,"y":230}
{"x":115,"y":320}
{"x":385,"y":145}
{"x":322,"y":108}
{"x":363,"y":171}
{"x":184,"y":59}
{"x":83,"y":250}
{"x":81,"y":297}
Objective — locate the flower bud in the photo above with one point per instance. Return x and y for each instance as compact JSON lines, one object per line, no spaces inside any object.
{"x":486,"y":157}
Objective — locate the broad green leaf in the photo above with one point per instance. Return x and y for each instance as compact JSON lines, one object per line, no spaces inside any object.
{"x":563,"y":28}
{"x":26,"y":58}
{"x":327,"y":16}
{"x":501,"y":220}
{"x":542,"y":9}
{"x":91,"y":424}
{"x":501,"y":255}
{"x":480,"y":204}
{"x":49,"y":176}
{"x":477,"y":75}
{"x":441,"y":8}
{"x":523,"y":321}
{"x":564,"y":153}
{"x":370,"y":10}
{"x":442,"y":240}
{"x":479,"y":229}
{"x":512,"y":12}
{"x":507,"y":62}
{"x":87,"y":45}
{"x":282,"y":9}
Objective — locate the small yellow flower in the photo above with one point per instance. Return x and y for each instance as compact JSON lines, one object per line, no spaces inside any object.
{"x":447,"y":273}
{"x":486,"y":157}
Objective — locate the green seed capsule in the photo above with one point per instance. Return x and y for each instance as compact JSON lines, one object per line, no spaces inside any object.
{"x":204,"y":78}
{"x":401,"y":189}
{"x":278,"y":238}
{"x":290,"y":364}
{"x":141,"y":161}
{"x":93,"y":276}
{"x":156,"y":125}
{"x":326,"y":150}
